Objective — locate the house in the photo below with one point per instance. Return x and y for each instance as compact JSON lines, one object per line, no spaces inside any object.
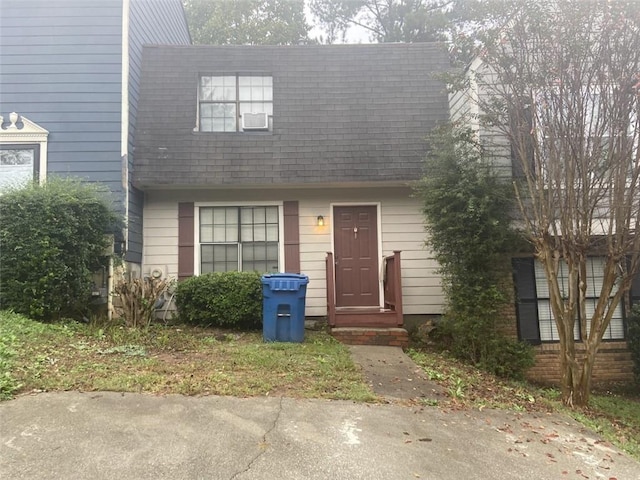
{"x":294,"y":159}
{"x":69,"y":86}
{"x":530,"y":312}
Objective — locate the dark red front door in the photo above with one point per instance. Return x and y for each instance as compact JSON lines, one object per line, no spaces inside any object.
{"x":355,"y":231}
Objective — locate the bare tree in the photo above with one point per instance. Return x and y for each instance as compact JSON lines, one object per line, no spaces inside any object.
{"x":389,"y":20}
{"x":564,"y":88}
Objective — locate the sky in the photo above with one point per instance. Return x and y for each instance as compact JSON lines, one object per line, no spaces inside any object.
{"x":355,"y":34}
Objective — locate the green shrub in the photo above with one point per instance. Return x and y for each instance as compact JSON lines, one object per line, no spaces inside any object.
{"x":229,"y":299}
{"x":633,"y":340}
{"x":52,"y":237}
{"x":479,"y":343}
{"x":467,"y":207}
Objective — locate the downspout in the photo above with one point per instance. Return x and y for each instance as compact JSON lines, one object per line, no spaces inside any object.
{"x":124,"y":144}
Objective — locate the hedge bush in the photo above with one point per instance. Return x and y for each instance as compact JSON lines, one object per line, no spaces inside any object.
{"x":229,"y":299}
{"x":52,"y":237}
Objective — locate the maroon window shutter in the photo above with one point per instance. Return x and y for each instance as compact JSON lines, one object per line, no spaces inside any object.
{"x":291,"y":237}
{"x":186,"y":241}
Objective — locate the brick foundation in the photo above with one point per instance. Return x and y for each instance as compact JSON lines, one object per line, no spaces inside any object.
{"x":397,"y":337}
{"x":613,"y":364}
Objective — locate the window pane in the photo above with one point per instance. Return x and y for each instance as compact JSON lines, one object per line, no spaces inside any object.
{"x":220,"y":216}
{"x":230,"y":124}
{"x":206,"y":125}
{"x":206,"y":110}
{"x":595,"y":273}
{"x":259,"y":215}
{"x":246,"y":233}
{"x":206,"y":216}
{"x":272,"y":214}
{"x":244,"y":93}
{"x":257,"y":94}
{"x":272,"y":233}
{"x":231,"y":233}
{"x":229,"y":93}
{"x":272,"y":255}
{"x":206,"y":253}
{"x":246,"y":216}
{"x":548,"y":331}
{"x":219,"y":234}
{"x":542,"y":286}
{"x":16,"y":166}
{"x":259,"y":233}
{"x":206,"y":234}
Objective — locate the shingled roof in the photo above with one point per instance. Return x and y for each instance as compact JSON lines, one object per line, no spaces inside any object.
{"x":343,"y":113}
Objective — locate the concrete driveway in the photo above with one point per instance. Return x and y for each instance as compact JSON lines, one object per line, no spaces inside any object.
{"x":129,"y":436}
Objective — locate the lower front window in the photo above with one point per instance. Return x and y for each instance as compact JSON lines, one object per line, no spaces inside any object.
{"x":239,"y":239}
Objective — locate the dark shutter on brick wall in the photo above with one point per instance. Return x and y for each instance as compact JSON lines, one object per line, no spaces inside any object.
{"x":635,"y":290}
{"x":526,"y":301}
{"x":186,"y":245}
{"x":291,"y":237}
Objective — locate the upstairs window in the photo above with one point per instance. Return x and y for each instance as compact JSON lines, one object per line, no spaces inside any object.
{"x":235,"y":103}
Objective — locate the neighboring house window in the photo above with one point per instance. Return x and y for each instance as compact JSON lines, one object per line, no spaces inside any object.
{"x":535,"y":318}
{"x":19,"y":164}
{"x":23,"y":151}
{"x":235,"y":103}
{"x":598,"y":134}
{"x":239,"y":238}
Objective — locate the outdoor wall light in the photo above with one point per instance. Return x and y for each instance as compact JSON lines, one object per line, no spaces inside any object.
{"x":320,"y":221}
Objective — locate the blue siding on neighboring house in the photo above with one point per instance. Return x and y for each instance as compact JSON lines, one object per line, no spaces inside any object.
{"x":60,"y":66}
{"x":151,"y":22}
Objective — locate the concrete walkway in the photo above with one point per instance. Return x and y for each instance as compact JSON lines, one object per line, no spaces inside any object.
{"x":392,"y":374}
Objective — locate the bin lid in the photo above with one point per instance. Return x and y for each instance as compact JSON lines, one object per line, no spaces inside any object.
{"x":285,"y":281}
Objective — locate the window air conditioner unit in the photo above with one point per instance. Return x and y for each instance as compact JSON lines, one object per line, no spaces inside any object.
{"x":255,"y":121}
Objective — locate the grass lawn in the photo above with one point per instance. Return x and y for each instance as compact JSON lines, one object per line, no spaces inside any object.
{"x":613,"y":414}
{"x":164,"y":359}
{"x":199,"y":361}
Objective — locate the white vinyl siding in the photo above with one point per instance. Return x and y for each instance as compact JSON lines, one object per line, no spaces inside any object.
{"x":402,"y":228}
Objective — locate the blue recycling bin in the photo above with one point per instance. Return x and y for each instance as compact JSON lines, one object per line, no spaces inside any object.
{"x":284,"y":296}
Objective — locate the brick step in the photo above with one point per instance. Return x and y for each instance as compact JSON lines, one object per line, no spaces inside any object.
{"x":366,"y":318}
{"x":391,"y":337}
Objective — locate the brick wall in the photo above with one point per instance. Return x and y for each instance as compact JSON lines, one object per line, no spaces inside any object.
{"x":613,"y":364}
{"x":393,"y":337}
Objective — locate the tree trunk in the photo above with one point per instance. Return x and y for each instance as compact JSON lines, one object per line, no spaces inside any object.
{"x":576,"y":377}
